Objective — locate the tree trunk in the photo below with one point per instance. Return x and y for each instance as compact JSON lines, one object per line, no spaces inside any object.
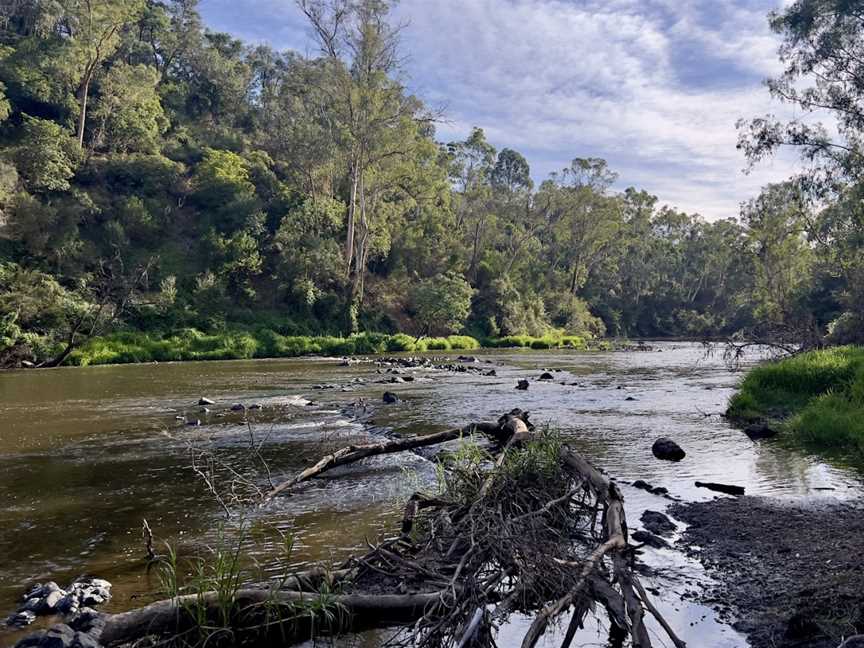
{"x":83,"y":95}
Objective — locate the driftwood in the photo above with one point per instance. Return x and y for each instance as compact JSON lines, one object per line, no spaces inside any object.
{"x":534,"y":529}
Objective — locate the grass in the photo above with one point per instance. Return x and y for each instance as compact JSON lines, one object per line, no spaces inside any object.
{"x":191,"y":344}
{"x":816,"y":397}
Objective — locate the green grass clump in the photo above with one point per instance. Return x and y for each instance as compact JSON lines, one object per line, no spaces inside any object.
{"x":192,"y":344}
{"x":818,"y":397}
{"x":549,"y":341}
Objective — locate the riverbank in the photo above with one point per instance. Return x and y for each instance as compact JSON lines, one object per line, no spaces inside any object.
{"x":787,"y":574}
{"x":191,"y":344}
{"x":816,"y":399}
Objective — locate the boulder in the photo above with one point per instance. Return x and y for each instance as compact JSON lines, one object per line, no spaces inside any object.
{"x":50,"y":603}
{"x":206,"y":401}
{"x":522,"y":384}
{"x":491,"y":373}
{"x":21,"y":619}
{"x":58,"y":636}
{"x":658,"y":523}
{"x":546,"y":376}
{"x":390,"y":398}
{"x":666,"y":449}
{"x":648,"y":538}
{"x":238,"y":407}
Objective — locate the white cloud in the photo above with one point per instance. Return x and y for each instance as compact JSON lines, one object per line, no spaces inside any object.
{"x":654,"y":86}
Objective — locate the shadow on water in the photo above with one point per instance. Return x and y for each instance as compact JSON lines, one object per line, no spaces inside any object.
{"x":85,"y":454}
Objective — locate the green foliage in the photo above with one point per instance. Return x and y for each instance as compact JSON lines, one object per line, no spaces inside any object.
{"x":129,"y":113}
{"x":46,"y":156}
{"x":442,"y":304}
{"x":819,"y":395}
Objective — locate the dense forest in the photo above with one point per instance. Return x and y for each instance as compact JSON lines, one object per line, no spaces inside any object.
{"x":158,"y":177}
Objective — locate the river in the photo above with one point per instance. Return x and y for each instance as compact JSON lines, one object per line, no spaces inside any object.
{"x":86,"y":454}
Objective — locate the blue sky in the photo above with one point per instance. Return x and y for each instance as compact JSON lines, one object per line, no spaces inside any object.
{"x":653,"y":86}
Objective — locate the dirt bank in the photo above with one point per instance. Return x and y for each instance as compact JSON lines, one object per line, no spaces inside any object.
{"x":788,"y":574}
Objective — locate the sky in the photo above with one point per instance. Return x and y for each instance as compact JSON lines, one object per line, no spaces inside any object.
{"x":652,"y":86}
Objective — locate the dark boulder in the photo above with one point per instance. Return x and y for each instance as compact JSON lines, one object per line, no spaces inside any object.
{"x":658,"y":523}
{"x":238,"y":407}
{"x":665,"y":448}
{"x":522,"y":384}
{"x":546,"y":376}
{"x":390,"y":398}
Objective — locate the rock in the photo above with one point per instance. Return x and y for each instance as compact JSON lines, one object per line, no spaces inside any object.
{"x":522,"y":384}
{"x":180,"y":417}
{"x":84,"y":640}
{"x":629,"y":398}
{"x":462,"y":358}
{"x":648,"y":538}
{"x":665,"y":448}
{"x":58,"y":636}
{"x":50,"y":602}
{"x":491,"y":373}
{"x":256,"y":406}
{"x":238,"y":407}
{"x":206,"y":401}
{"x":721,"y":488}
{"x":204,"y":410}
{"x":643,"y":485}
{"x":658,"y":523}
{"x":21,"y":619}
{"x":408,"y":378}
{"x":31,"y":604}
{"x":759,"y":431}
{"x":396,"y":379}
{"x":546,"y":376}
{"x":194,"y":423}
{"x":856,"y":641}
{"x":390,"y":398}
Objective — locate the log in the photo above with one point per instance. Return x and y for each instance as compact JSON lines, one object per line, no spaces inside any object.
{"x":354,"y":612}
{"x":353,"y":453}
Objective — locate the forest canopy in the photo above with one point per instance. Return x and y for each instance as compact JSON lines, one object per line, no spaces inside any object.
{"x":157,"y":176}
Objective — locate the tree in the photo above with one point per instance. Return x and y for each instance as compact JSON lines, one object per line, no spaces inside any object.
{"x":442,"y":304}
{"x":46,"y":157}
{"x":129,"y":112}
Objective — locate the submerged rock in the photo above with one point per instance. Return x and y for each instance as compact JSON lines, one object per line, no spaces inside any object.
{"x":666,"y":449}
{"x":760,"y":431}
{"x":522,"y":384}
{"x":238,"y":407}
{"x":390,"y":398}
{"x":658,"y":523}
{"x":648,"y":538}
{"x":546,"y":376}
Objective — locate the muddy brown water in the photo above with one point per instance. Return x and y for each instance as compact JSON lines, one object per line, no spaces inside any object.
{"x":86,"y":454}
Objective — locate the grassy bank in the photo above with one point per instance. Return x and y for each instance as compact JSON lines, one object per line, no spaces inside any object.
{"x":191,"y":344}
{"x":817,"y":398}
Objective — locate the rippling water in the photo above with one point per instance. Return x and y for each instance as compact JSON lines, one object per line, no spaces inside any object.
{"x":85,"y":454}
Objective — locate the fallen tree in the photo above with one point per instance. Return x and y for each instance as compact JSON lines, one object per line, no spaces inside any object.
{"x":530,"y":527}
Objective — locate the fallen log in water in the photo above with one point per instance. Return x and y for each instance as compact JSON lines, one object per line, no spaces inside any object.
{"x":533,"y":529}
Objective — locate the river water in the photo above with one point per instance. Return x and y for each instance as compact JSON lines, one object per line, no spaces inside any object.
{"x":86,"y":454}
